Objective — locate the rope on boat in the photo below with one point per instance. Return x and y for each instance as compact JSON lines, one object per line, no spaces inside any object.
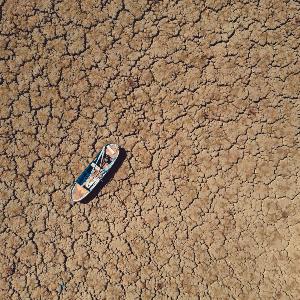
{"x":102,"y":153}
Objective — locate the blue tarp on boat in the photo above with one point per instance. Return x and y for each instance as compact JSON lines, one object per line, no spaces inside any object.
{"x":84,"y":175}
{"x":87,"y":172}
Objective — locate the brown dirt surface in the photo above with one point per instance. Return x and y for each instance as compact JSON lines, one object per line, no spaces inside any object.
{"x":204,"y":98}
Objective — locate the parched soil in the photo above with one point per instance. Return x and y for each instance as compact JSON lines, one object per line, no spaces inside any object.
{"x":204,"y":98}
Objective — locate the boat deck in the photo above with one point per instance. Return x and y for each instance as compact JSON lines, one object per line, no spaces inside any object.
{"x":79,"y":192}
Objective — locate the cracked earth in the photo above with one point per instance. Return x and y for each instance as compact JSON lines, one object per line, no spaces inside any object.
{"x":204,"y":98}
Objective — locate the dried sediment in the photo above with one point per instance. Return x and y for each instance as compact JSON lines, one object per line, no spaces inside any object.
{"x":203,"y":97}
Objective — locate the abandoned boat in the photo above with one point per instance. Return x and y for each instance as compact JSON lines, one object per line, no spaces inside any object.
{"x":94,"y":173}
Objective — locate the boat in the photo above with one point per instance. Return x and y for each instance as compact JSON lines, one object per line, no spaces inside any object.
{"x":94,"y":173}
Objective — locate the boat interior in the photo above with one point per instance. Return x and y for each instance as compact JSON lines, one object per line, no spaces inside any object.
{"x":94,"y":172}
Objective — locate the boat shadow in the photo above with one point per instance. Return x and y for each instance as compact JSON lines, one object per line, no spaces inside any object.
{"x":108,"y":177}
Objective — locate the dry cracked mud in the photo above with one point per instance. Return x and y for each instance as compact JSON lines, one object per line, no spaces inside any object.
{"x":204,"y":98}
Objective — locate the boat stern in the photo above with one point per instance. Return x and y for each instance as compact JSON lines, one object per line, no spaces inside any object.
{"x":112,"y":150}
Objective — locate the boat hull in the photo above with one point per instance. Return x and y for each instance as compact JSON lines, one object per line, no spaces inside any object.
{"x":95,"y":172}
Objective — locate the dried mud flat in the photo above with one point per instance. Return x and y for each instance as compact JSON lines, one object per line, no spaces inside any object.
{"x":204,"y":97}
